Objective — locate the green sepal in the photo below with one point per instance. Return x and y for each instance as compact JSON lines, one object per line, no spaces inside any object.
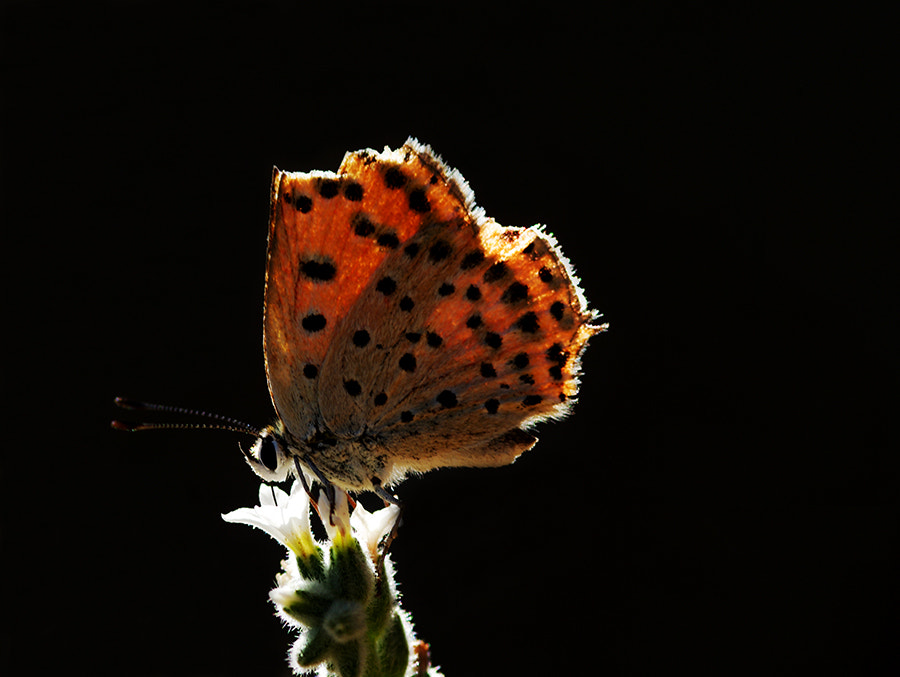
{"x":312,"y":566}
{"x":393,"y":650}
{"x":349,"y":575}
{"x":381,"y":604}
{"x":348,"y":659}
{"x":310,"y":606}
{"x":318,"y":646}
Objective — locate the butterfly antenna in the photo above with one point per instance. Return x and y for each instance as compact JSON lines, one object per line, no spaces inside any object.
{"x":218,"y":422}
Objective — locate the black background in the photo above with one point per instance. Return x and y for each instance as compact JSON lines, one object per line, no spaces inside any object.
{"x":724,"y":496}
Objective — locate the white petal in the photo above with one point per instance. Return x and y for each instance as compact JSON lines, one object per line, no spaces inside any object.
{"x":261,"y":518}
{"x":338,"y":519}
{"x":265,"y":495}
{"x":297,"y":490}
{"x":371,"y":527}
{"x":241,"y":516}
{"x":285,"y":518}
{"x":283,"y":596}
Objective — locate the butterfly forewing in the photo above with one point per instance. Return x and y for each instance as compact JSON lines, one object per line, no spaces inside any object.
{"x":396,"y":312}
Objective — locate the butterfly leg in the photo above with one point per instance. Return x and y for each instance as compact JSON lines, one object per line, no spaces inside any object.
{"x":387,"y":496}
{"x":327,"y":486}
{"x":302,"y":477}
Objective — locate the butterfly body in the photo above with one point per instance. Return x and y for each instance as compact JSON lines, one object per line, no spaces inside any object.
{"x":406,"y":331}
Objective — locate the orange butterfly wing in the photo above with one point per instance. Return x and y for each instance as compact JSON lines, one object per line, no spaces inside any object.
{"x":398,"y":313}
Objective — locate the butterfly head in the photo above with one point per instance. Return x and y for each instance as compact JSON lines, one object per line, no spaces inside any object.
{"x":269,"y":457}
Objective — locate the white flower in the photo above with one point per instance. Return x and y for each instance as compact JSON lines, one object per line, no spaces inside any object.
{"x":284,"y":517}
{"x":371,"y":527}
{"x":335,"y":520}
{"x":286,"y":593}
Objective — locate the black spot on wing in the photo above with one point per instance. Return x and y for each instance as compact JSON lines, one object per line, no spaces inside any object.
{"x":318,"y":271}
{"x":407,"y":362}
{"x":418,"y":201}
{"x":493,"y":339}
{"x":353,"y":191}
{"x":528,"y":323}
{"x":394,"y":178}
{"x":362,"y":225}
{"x":471,"y":260}
{"x":388,"y":239}
{"x":386,"y":285}
{"x":361,"y":338}
{"x":496,"y":272}
{"x":515,"y":293}
{"x":313,"y":322}
{"x":328,"y":188}
{"x":447,"y":399}
{"x":439,"y":251}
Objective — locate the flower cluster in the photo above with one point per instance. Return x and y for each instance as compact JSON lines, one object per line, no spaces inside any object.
{"x":339,"y":595}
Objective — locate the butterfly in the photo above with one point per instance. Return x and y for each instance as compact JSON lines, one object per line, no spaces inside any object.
{"x":404,"y":330}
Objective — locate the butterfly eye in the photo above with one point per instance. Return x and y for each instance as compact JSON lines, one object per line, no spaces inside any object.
{"x":268,"y":456}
